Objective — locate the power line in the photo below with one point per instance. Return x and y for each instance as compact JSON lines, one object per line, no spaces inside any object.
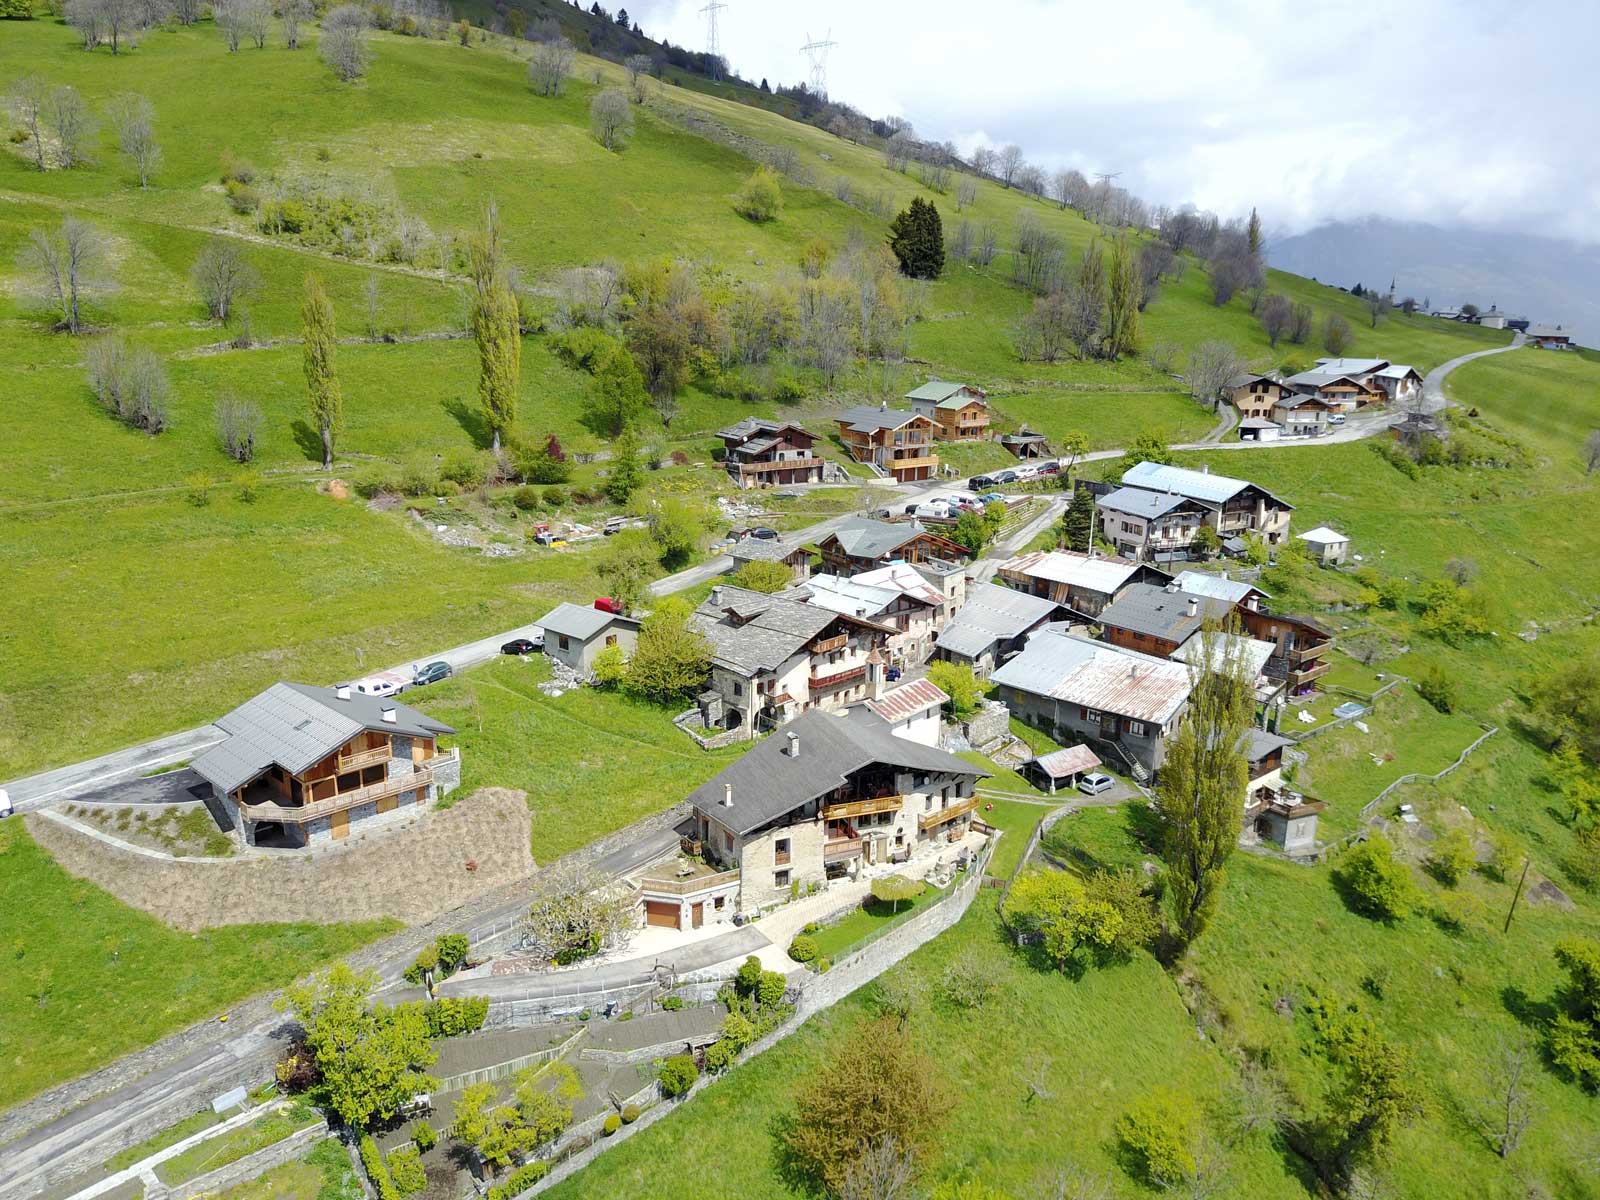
{"x":816,"y":49}
{"x":713,"y":39}
{"x":1106,"y":177}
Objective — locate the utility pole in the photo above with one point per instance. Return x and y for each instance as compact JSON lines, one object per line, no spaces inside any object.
{"x":713,"y":37}
{"x":1511,"y":912}
{"x":816,"y":49}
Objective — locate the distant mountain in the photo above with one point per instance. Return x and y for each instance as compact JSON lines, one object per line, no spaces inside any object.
{"x":1550,"y":281}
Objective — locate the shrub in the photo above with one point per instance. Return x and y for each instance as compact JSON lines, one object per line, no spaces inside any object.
{"x":672,"y":1003}
{"x":405,"y":1169}
{"x":242,"y":198}
{"x":761,"y":196}
{"x":824,"y":965}
{"x":763,"y":577}
{"x":770,"y":990}
{"x":610,"y":670}
{"x":555,"y":497}
{"x":377,"y":1171}
{"x":612,"y":1124}
{"x":519,"y":1181}
{"x":452,"y":1016}
{"x":678,"y":1074}
{"x":1157,"y":1133}
{"x":198,"y":485}
{"x":377,"y":480}
{"x":803,"y":949}
{"x":1375,"y":882}
{"x":720,"y":1056}
{"x":526,"y":498}
{"x":630,"y":1114}
{"x":419,"y":477}
{"x":423,"y":1136}
{"x":465,"y":470}
{"x":1438,"y":689}
{"x":1453,"y":857}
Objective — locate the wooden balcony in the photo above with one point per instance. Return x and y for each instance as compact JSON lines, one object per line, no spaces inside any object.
{"x":687,"y":886}
{"x":841,"y":848}
{"x":947,"y":814}
{"x":299,"y":814}
{"x":846,"y":809}
{"x":829,"y":645}
{"x":912,"y":461}
{"x":828,"y":683}
{"x":1312,"y":670}
{"x":1304,"y":655}
{"x":785,"y":464}
{"x":355,"y":760}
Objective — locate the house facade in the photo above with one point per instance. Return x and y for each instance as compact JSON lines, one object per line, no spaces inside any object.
{"x":895,"y":597}
{"x":1272,"y":812}
{"x":864,"y":544}
{"x":1303,"y":416}
{"x":1302,"y":644}
{"x":959,"y":411}
{"x":1124,"y":705}
{"x":1255,"y":395}
{"x":829,"y":798}
{"x":574,"y":636}
{"x":898,"y":442}
{"x":1549,"y":337}
{"x":1346,"y":391}
{"x":303,"y":765}
{"x":1145,"y":525}
{"x":760,"y":453}
{"x":1158,"y":620}
{"x":1084,"y":583}
{"x":1234,"y":507}
{"x":992,"y":625}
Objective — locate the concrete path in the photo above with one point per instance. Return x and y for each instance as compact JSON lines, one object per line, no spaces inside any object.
{"x":1433,"y":397}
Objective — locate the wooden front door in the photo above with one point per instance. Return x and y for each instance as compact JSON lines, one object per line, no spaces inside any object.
{"x":699,"y":915}
{"x":341,"y":824}
{"x":388,"y":803}
{"x":663,"y":913}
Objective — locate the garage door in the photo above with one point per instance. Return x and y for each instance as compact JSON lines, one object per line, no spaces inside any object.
{"x":661,"y":912}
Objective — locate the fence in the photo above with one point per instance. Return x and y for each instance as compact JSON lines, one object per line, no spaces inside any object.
{"x":1340,"y":722}
{"x":251,"y":1165}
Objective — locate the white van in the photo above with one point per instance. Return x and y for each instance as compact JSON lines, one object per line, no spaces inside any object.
{"x":385,"y":683}
{"x":5,"y":804}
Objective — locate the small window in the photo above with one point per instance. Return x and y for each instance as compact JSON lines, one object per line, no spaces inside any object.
{"x":780,"y":879}
{"x":718,"y":902}
{"x":1136,"y":728}
{"x":565,"y":644}
{"x":611,"y":639}
{"x":738,"y":689}
{"x":781,"y":845}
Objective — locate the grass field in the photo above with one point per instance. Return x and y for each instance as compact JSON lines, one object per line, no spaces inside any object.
{"x":230,"y":1147}
{"x":90,"y":979}
{"x":325,"y":1174}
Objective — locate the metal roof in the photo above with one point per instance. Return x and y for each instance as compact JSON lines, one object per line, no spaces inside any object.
{"x":1197,"y":485}
{"x":908,"y":700}
{"x":1258,"y":743}
{"x":1548,"y":331}
{"x":1354,"y":366}
{"x":574,"y":620}
{"x":1219,"y":587}
{"x":1209,"y":651}
{"x":1091,"y":573}
{"x":1157,"y":612}
{"x":1323,"y":536}
{"x":1098,"y":675}
{"x":905,"y":578}
{"x":935,"y":389}
{"x":1321,"y":379}
{"x":992,"y":614}
{"x":767,"y":782}
{"x":295,"y":726}
{"x":848,"y":595}
{"x":1399,"y":371}
{"x":1073,"y":760}
{"x":864,"y":418}
{"x":1138,"y":502}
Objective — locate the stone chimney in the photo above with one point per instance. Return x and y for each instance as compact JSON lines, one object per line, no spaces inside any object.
{"x":716,"y":596}
{"x":390,"y":717}
{"x":793,"y":750}
{"x":342,"y":691}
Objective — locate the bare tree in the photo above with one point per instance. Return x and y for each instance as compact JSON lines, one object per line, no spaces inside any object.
{"x":1301,"y":319}
{"x":638,"y":67}
{"x":135,"y":117}
{"x":66,"y":266}
{"x":966,"y":192}
{"x":880,"y":1171}
{"x":1062,"y":186}
{"x":1008,"y":162}
{"x":550,"y":64}
{"x":1036,"y":1074}
{"x":1228,"y":274}
{"x":187,"y":12}
{"x":1204,"y":1174}
{"x":257,"y":21}
{"x":1155,"y":262}
{"x":1509,"y":1082}
{"x":898,"y":996}
{"x":1044,"y":334}
{"x":1336,"y":335}
{"x":1040,"y":261}
{"x":344,"y":41}
{"x":238,"y":424}
{"x":1460,"y":569}
{"x":1211,"y":364}
{"x":293,"y":12}
{"x":611,"y":118}
{"x":29,"y":102}
{"x":1260,"y":1101}
{"x":1071,"y":1182}
{"x":223,"y":277}
{"x":1031,"y":179}
{"x":116,"y":21}
{"x":229,"y":18}
{"x":131,"y":384}
{"x":1377,"y":306}
{"x":576,"y":911}
{"x":71,"y":124}
{"x":1276,"y":317}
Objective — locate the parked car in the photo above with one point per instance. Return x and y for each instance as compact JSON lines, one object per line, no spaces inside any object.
{"x":892,"y":674}
{"x":5,"y":804}
{"x":386,"y":683}
{"x":938,"y":509}
{"x":1007,"y":477}
{"x":1336,"y":419}
{"x":980,"y":483}
{"x":1050,"y":468}
{"x":912,"y":508}
{"x":1026,"y":471}
{"x":762,"y":533}
{"x":614,"y":525}
{"x":607,"y":604}
{"x":992,"y":498}
{"x":522,"y":646}
{"x":1095,"y":782}
{"x":431,"y":673}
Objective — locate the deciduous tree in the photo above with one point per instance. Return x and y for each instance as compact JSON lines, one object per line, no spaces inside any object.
{"x":671,"y":660}
{"x":550,"y":64}
{"x":1336,"y":335}
{"x":344,"y":41}
{"x":575,"y":912}
{"x":223,"y":277}
{"x":1276,"y":317}
{"x":135,"y":121}
{"x":1123,"y":299}
{"x":29,"y":102}
{"x":67,"y":267}
{"x":1211,"y":365}
{"x":72,"y":125}
{"x":760,"y":197}
{"x":611,"y":118}
{"x":322,"y":379}
{"x":495,"y":327}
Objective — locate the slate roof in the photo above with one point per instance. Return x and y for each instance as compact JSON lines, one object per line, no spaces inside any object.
{"x":1197,"y":485}
{"x":777,"y":628}
{"x":1073,"y":760}
{"x":1204,"y":652}
{"x":1258,"y":743}
{"x":295,"y":726}
{"x":1202,"y":583}
{"x":864,"y":418}
{"x":992,"y":614}
{"x":905,"y":578}
{"x":1098,"y":675}
{"x":1323,"y":536}
{"x":862,"y":537}
{"x":750,"y":426}
{"x":1548,"y":331}
{"x":767,"y":783}
{"x":908,"y":700}
{"x":576,"y":621}
{"x":1094,"y":574}
{"x":1320,"y":379}
{"x":763,"y":550}
{"x":1154,"y":611}
{"x":1137,"y":502}
{"x":848,"y":595}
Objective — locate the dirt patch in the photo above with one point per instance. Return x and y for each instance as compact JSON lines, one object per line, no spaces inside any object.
{"x":180,"y":830}
{"x":412,"y":872}
{"x":337,"y":488}
{"x":1546,"y":892}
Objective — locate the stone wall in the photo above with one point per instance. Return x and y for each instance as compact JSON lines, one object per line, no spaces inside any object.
{"x":989,"y":723}
{"x":251,"y":1165}
{"x":412,"y":873}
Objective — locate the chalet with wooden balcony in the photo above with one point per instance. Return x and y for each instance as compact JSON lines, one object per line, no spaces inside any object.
{"x":863,"y":544}
{"x":1254,"y":395}
{"x":895,"y":596}
{"x":1084,"y":583}
{"x":304,"y":764}
{"x":761,"y":453}
{"x":1274,"y":812}
{"x":774,"y":657}
{"x":959,"y":411}
{"x":829,"y":797}
{"x":898,"y":442}
{"x":1302,"y":644}
{"x":1232,"y":507}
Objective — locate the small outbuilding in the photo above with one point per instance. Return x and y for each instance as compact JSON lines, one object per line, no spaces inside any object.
{"x":574,"y":635}
{"x":1328,"y":546}
{"x":751,"y":550}
{"x":1259,"y":429}
{"x":1023,"y":444}
{"x":1060,"y":768}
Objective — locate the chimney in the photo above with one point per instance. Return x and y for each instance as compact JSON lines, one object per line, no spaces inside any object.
{"x":1205,"y":468}
{"x":716,"y":596}
{"x":342,"y":691}
{"x":883,"y":406}
{"x":794,"y":746}
{"x":1172,"y":587}
{"x":1194,"y":607}
{"x":727,"y":795}
{"x":390,"y":717}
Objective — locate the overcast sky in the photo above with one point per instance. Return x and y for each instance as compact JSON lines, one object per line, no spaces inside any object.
{"x":1439,"y":110}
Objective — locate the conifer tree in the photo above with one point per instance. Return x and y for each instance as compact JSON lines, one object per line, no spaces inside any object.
{"x":322,"y":380}
{"x":1252,"y":235}
{"x":1077,"y":526}
{"x":495,"y":327}
{"x":916,"y":235}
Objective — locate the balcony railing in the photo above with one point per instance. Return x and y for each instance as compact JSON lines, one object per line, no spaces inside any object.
{"x":913,"y":460}
{"x":364,"y":758}
{"x":829,"y":645}
{"x":1305,"y":654}
{"x":846,"y":809}
{"x":299,"y":814}
{"x":781,"y":464}
{"x":1311,"y":671}
{"x":828,"y":683}
{"x":688,"y":887}
{"x":947,"y":814}
{"x":841,"y":848}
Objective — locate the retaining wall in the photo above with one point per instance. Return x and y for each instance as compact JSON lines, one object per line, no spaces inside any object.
{"x":251,"y":1165}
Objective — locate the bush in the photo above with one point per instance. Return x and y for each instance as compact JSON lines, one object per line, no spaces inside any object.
{"x":761,"y":197}
{"x":1453,"y":857}
{"x":555,"y":497}
{"x":452,"y":1016}
{"x":377,"y":1171}
{"x":419,"y":477}
{"x":423,"y":1136}
{"x":526,"y":498}
{"x":678,"y":1075}
{"x":405,"y":1168}
{"x":610,"y":670}
{"x":803,"y":949}
{"x":612,"y":1124}
{"x":1375,"y":883}
{"x":720,"y":1056}
{"x":242,"y":198}
{"x":630,"y":1114}
{"x":199,"y":488}
{"x":1438,"y":689}
{"x":519,"y":1180}
{"x":1157,"y":1133}
{"x":465,"y":471}
{"x":770,"y":990}
{"x":672,"y":1003}
{"x":957,"y":682}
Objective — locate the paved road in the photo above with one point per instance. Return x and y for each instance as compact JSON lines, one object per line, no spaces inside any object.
{"x":1433,"y":397}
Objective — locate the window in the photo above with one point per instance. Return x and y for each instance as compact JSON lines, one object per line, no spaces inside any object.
{"x":780,"y":879}
{"x":611,"y":639}
{"x":1136,"y":728}
{"x":565,"y":645}
{"x":718,"y":902}
{"x":738,"y":689}
{"x":781,"y":845}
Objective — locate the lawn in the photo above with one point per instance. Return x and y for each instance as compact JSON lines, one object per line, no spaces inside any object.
{"x":91,"y":979}
{"x":170,"y":1136}
{"x":868,"y":920}
{"x":238,"y":1143}
{"x":325,"y":1174}
{"x":1017,"y":819}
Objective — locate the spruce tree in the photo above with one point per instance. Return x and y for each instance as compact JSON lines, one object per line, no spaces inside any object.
{"x":1077,"y":526}
{"x":322,"y":381}
{"x":916,"y":235}
{"x":496,"y":328}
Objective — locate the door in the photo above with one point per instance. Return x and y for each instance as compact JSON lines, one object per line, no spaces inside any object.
{"x":699,"y":915}
{"x":340,"y":821}
{"x":388,"y":803}
{"x":662,"y":913}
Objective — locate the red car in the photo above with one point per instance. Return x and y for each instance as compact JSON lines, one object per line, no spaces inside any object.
{"x":607,"y":604}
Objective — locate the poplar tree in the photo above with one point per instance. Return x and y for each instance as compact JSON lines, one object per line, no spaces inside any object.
{"x":1201,"y":792}
{"x":495,"y":327}
{"x":1252,"y":235}
{"x":322,"y":381}
{"x":1123,"y":289}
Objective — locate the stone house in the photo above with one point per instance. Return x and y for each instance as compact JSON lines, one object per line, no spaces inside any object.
{"x":762,"y":453}
{"x":894,"y":596}
{"x":752,"y":549}
{"x":1273,"y":812}
{"x":991,"y":626}
{"x":1146,"y":525}
{"x":1084,"y":583}
{"x":303,"y":764}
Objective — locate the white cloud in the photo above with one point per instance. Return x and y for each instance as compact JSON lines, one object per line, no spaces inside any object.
{"x":1429,"y":109}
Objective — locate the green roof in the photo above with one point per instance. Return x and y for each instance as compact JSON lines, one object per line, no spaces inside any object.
{"x":936,"y":390}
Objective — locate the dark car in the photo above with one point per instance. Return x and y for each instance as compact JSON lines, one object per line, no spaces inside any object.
{"x":980,"y":483}
{"x":1007,"y":477}
{"x":521,"y":646}
{"x":892,"y":674}
{"x":762,"y":533}
{"x":1050,"y":468}
{"x":432,"y":673}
